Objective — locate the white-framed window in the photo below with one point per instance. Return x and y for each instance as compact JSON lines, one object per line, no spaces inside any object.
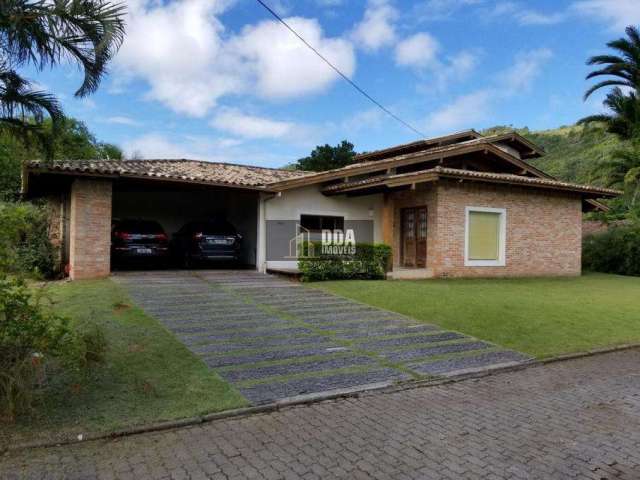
{"x":485,"y":237}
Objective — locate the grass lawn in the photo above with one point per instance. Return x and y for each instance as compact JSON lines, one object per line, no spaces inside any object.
{"x":148,"y":375}
{"x":542,"y":317}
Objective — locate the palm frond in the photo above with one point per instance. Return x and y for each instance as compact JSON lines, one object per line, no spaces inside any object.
{"x":44,"y":32}
{"x":22,"y":110}
{"x":606,"y":83}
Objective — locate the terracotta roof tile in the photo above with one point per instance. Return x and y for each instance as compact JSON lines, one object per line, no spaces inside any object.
{"x":458,"y":173}
{"x":179,"y":170}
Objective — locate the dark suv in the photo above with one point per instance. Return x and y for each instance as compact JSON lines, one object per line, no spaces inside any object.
{"x":138,"y":240}
{"x":215,"y":240}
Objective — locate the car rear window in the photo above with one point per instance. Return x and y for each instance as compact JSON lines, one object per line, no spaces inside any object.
{"x":219,"y":227}
{"x":139,"y":226}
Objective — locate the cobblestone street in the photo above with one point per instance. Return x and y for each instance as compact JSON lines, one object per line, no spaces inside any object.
{"x":574,"y":419}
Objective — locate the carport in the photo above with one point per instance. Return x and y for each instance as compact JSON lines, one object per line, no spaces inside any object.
{"x":175,"y":204}
{"x":85,"y":197}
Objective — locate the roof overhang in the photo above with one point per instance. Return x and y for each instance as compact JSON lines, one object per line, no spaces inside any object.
{"x":437,"y":173}
{"x":485,"y":145}
{"x":114,"y":176}
{"x":419,"y":145}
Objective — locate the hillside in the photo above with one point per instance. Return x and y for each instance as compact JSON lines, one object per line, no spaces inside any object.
{"x":571,"y":151}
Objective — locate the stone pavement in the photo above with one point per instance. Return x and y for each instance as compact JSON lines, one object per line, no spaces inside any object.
{"x":578,"y":419}
{"x":274,"y":339}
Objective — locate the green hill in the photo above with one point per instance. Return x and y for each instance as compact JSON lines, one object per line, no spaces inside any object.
{"x":571,"y":151}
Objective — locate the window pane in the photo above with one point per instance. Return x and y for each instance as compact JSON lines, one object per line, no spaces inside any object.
{"x":484,"y":235}
{"x":315,"y":223}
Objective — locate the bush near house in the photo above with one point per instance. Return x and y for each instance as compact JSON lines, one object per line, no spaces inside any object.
{"x":32,"y":341}
{"x":616,"y":250}
{"x":370,"y":261}
{"x":25,"y":247}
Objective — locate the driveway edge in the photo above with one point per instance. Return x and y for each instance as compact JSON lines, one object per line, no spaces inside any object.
{"x":355,"y":392}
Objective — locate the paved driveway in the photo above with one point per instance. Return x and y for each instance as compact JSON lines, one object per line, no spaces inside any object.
{"x":571,"y":420}
{"x":274,"y":339}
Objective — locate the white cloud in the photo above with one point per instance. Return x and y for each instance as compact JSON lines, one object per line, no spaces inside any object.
{"x":282,"y":66}
{"x":249,"y":126}
{"x":523,"y":15}
{"x":617,"y":13}
{"x":228,"y":150}
{"x":182,"y":51}
{"x":363,"y":120}
{"x":122,"y":120}
{"x":155,"y":145}
{"x":329,"y":3}
{"x":463,"y":63}
{"x":440,"y":9}
{"x":462,"y":113}
{"x":527,"y":67}
{"x":531,"y":17}
{"x":417,"y":51}
{"x":377,"y":28}
{"x":467,"y":110}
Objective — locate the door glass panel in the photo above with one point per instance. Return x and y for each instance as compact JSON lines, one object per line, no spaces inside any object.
{"x":422,"y":224}
{"x":409,"y":224}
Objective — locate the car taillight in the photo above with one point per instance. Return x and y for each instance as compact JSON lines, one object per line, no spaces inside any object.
{"x":197,"y":236}
{"x":162,"y":237}
{"x":123,"y":235}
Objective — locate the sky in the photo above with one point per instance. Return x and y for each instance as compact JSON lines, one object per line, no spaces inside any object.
{"x":221,"y":80}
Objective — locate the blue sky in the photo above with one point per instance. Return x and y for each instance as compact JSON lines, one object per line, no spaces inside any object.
{"x":221,"y":80}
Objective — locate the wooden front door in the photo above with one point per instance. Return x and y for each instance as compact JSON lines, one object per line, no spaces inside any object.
{"x":414,"y":237}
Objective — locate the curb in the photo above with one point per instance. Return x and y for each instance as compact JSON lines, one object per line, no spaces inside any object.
{"x":377,"y":388}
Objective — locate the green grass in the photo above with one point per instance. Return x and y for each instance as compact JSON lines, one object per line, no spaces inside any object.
{"x":147,"y":376}
{"x":542,"y":317}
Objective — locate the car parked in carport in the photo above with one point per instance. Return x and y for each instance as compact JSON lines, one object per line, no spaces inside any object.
{"x":201,"y":241}
{"x":138,"y":239}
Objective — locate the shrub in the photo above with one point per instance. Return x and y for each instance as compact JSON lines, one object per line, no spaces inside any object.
{"x":368,"y":262}
{"x":32,"y":338}
{"x":616,"y":250}
{"x":24,"y":239}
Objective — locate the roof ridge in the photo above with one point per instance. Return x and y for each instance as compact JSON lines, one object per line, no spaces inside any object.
{"x":165,"y":160}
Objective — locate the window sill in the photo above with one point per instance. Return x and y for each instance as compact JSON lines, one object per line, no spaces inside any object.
{"x":484,"y":263}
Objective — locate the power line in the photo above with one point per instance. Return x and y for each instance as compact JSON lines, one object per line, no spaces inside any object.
{"x":337,"y":70}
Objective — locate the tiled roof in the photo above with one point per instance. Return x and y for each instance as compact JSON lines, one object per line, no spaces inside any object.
{"x":487,"y":142}
{"x":470,"y":174}
{"x":178,"y":170}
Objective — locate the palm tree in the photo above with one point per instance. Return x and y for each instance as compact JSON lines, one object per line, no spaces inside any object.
{"x":622,"y":170}
{"x":624,"y":68}
{"x":625,"y":119}
{"x":43,"y":34}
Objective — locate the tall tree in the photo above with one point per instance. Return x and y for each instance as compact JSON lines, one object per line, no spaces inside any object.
{"x":622,"y":71}
{"x":326,"y":157}
{"x":624,"y":121}
{"x":623,"y":68}
{"x":73,"y":141}
{"x":43,"y":34}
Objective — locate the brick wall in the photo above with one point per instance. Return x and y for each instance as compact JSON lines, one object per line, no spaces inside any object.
{"x":543,"y":229}
{"x":90,"y":229}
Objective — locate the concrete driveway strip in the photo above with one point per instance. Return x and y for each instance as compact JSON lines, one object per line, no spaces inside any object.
{"x":577,"y":419}
{"x":274,"y":339}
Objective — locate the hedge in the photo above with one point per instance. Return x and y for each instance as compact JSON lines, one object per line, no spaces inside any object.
{"x":370,"y":261}
{"x":616,"y":250}
{"x":24,"y":239}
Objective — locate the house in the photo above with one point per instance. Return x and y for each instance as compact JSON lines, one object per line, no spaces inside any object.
{"x":461,"y":205}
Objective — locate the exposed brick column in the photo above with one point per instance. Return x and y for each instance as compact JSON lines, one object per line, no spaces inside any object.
{"x":90,"y":228}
